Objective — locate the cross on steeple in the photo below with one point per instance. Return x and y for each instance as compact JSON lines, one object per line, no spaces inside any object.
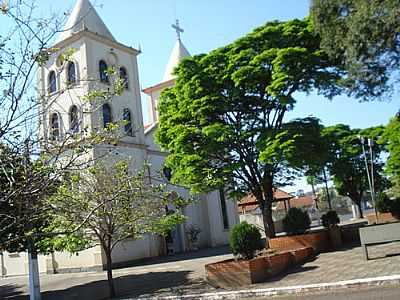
{"x":178,"y":29}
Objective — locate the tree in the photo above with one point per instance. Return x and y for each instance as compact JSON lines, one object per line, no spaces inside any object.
{"x":223,"y":121}
{"x":347,"y":164}
{"x":391,"y":138}
{"x":107,"y":205}
{"x":364,"y":37}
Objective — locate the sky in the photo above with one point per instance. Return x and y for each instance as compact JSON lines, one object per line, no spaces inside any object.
{"x":209,"y":24}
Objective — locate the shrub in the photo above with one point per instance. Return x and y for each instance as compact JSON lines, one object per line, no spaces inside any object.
{"x":245,"y":239}
{"x":385,"y":204}
{"x":296,"y":221}
{"x":330,"y":219}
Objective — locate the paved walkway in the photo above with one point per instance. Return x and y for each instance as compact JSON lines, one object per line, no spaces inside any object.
{"x":345,"y":264}
{"x":183,"y":274}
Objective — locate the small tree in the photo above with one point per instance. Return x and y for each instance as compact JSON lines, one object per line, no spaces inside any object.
{"x":347,"y":161}
{"x":296,"y":221}
{"x":245,"y":239}
{"x":108,"y":205}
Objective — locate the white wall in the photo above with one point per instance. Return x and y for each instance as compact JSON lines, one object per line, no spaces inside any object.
{"x":16,"y":264}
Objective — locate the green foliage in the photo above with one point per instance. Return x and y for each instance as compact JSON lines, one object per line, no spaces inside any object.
{"x":383,"y":203}
{"x":24,"y":185}
{"x":391,"y":139}
{"x":386,"y":204}
{"x":223,"y":121}
{"x":245,"y":239}
{"x":347,"y":162}
{"x":109,"y":204}
{"x":330,"y":219}
{"x":296,"y":221}
{"x":363,"y":36}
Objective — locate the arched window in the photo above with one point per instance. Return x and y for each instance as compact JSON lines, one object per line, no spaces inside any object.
{"x":74,"y":119}
{"x":107,"y":118}
{"x":128,"y":122}
{"x":71,"y":73}
{"x":52,"y":82}
{"x":123,"y":74}
{"x":103,"y":71}
{"x":54,"y":127}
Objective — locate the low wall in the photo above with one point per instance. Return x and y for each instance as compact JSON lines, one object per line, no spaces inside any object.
{"x":16,"y":264}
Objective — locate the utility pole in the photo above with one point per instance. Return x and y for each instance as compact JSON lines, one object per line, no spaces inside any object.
{"x":34,"y":281}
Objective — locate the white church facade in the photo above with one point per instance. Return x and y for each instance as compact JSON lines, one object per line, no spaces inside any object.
{"x":65,"y":111}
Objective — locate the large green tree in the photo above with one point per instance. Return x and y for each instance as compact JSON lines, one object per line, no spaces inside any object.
{"x":347,"y":161}
{"x":223,"y":122}
{"x":391,"y":138}
{"x":364,"y":36}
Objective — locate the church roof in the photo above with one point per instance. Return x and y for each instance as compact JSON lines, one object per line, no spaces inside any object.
{"x":178,"y":53}
{"x":85,"y":17}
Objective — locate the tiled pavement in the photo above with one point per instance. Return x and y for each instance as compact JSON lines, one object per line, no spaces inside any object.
{"x":183,"y":274}
{"x":345,"y":264}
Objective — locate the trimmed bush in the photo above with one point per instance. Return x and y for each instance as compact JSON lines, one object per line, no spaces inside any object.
{"x":385,"y":204}
{"x":330,"y":219}
{"x":296,"y":221}
{"x":245,"y":239}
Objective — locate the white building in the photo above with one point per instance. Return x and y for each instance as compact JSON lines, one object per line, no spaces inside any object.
{"x":95,"y":49}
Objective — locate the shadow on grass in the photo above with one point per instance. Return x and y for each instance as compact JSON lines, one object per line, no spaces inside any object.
{"x":128,"y":285}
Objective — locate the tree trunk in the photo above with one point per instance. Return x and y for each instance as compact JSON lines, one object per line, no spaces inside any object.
{"x":266,"y":200}
{"x":269,"y":225}
{"x":358,"y":203}
{"x":327,"y":189}
{"x":314,"y":195}
{"x":110,"y":279}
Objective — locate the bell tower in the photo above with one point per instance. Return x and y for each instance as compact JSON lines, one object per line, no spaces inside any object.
{"x":79,"y":64}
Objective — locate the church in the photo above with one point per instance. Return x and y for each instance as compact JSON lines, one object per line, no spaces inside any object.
{"x":64,"y":111}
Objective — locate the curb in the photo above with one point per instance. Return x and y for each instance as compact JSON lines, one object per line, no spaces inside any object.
{"x":290,"y":290}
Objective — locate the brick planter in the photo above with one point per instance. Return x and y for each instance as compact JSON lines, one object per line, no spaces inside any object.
{"x":230,"y":273}
{"x":319,"y":241}
{"x":299,"y":256}
{"x":277,"y":263}
{"x":382,"y":218}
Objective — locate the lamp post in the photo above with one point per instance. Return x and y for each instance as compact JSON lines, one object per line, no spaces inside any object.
{"x":370,"y":177}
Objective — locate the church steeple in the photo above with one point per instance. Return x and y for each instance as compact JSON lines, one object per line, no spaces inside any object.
{"x":85,"y":17}
{"x":178,"y":53}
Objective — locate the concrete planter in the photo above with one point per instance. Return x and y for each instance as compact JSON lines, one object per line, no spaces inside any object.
{"x":319,"y":241}
{"x":379,"y":234}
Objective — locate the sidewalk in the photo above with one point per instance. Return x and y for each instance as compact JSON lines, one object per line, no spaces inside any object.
{"x":184,"y":274}
{"x":345,"y":265}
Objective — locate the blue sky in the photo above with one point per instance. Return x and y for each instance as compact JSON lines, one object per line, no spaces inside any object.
{"x":209,"y":24}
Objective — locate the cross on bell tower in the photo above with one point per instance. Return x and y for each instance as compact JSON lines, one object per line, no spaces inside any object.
{"x":178,"y":29}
